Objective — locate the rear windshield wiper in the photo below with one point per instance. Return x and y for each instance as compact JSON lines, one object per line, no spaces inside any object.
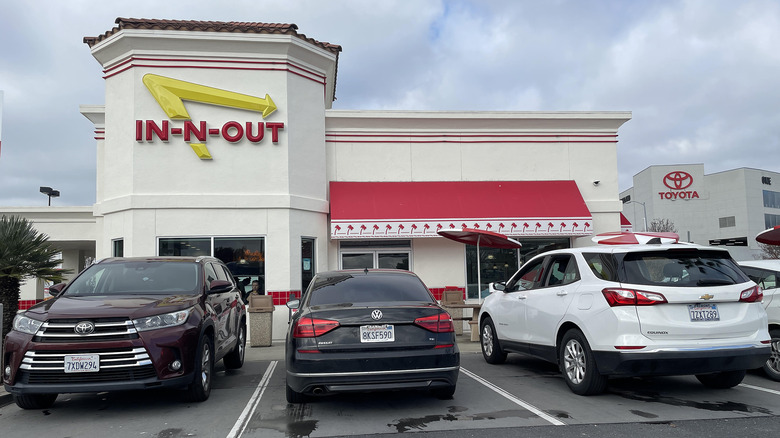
{"x":713,"y":282}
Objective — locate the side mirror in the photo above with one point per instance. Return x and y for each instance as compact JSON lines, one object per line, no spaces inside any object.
{"x":56,"y":289}
{"x":293,"y":305}
{"x":220,"y":286}
{"x":499,"y":286}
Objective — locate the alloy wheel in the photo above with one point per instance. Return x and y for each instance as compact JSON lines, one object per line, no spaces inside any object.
{"x":205,"y":367}
{"x":574,"y":361}
{"x":487,"y":340}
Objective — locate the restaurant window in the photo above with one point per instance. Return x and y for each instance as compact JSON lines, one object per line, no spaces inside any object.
{"x":118,"y":248}
{"x":244,"y":256}
{"x":499,"y":264}
{"x":390,"y":254}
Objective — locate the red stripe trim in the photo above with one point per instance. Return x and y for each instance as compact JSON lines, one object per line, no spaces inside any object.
{"x":215,"y":68}
{"x":471,"y":141}
{"x":472,"y":135}
{"x":140,"y":58}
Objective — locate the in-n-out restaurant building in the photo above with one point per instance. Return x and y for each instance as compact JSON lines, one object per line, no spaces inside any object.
{"x":219,"y":139}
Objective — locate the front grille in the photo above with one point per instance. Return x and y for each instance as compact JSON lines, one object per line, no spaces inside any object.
{"x":106,"y":329}
{"x":115,"y":365}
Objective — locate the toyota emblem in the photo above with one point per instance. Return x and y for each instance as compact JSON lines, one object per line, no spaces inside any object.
{"x":678,"y":180}
{"x":376,"y":315}
{"x":84,"y":328}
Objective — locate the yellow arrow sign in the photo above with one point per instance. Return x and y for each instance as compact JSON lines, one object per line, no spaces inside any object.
{"x":169,"y":93}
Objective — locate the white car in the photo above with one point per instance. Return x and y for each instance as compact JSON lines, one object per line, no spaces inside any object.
{"x":630,"y":310}
{"x":766,"y":274}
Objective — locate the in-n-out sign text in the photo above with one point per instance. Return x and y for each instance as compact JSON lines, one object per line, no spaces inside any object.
{"x":148,"y":130}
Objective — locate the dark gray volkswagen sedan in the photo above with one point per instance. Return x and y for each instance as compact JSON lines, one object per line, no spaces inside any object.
{"x":369,"y":330}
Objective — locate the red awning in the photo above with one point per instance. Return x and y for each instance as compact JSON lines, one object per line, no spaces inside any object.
{"x":488,"y":239}
{"x":420,"y":209}
{"x":628,"y":238}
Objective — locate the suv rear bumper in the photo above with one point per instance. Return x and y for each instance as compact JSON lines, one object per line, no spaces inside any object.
{"x":26,"y":388}
{"x":669,"y":363}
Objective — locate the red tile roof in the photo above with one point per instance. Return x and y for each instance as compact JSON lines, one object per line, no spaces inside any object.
{"x":209,"y":26}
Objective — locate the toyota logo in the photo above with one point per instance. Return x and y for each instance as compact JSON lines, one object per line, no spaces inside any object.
{"x":84,"y":328}
{"x":376,"y":315}
{"x":678,"y":180}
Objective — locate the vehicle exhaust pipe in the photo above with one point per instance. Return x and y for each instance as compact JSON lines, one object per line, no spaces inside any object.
{"x":318,"y":390}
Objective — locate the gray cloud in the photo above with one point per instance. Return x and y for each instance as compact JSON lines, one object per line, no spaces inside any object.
{"x":700,"y":76}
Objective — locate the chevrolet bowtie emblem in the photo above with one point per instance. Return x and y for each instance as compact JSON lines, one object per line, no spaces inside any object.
{"x":706,"y":297}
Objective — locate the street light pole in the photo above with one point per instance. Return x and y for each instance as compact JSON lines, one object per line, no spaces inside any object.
{"x":644,"y":209}
{"x":51,"y":193}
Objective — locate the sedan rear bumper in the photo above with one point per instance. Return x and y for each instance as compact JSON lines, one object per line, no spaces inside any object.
{"x":373,"y":380}
{"x":680,"y":362}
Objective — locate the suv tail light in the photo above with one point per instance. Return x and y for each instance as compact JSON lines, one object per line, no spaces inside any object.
{"x":441,"y":323}
{"x":752,"y":295}
{"x":629,"y":297}
{"x":311,"y":327}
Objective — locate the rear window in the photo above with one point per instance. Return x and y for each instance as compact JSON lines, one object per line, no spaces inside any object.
{"x":361,"y":288}
{"x":140,"y":277}
{"x":686,"y":268}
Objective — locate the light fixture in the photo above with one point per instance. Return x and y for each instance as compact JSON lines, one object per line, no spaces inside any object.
{"x":51,"y":193}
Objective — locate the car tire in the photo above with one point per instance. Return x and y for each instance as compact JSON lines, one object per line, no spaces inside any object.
{"x":722,"y":380}
{"x":579,"y":366}
{"x":34,"y":401}
{"x":772,"y":365}
{"x":235,"y":359}
{"x":444,"y":393}
{"x":294,"y":396}
{"x":491,"y":350}
{"x":200,"y":388}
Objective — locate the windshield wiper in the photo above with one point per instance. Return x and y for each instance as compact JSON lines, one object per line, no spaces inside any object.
{"x":713,"y":282}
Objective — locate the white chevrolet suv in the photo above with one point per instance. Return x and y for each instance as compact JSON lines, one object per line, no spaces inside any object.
{"x":630,"y":310}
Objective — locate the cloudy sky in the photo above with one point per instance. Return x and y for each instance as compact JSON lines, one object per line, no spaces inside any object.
{"x":702,"y":77}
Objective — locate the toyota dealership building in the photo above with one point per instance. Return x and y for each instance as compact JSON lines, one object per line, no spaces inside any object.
{"x":220,"y":139}
{"x":725,"y":209}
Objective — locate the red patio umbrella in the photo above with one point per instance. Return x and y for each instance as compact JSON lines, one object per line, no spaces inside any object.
{"x":770,"y":236}
{"x":627,"y":238}
{"x":480,"y":238}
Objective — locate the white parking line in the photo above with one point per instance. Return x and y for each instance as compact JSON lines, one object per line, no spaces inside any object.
{"x":758,"y":388}
{"x":243,"y":419}
{"x":514,"y":399}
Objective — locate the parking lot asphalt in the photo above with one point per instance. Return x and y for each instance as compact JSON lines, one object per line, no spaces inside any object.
{"x":276,"y":352}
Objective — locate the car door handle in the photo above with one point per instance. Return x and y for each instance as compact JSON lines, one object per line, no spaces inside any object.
{"x":562,"y":293}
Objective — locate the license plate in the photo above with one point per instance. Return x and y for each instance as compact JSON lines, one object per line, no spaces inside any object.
{"x":703,"y":312}
{"x":82,"y":363}
{"x":377,"y":333}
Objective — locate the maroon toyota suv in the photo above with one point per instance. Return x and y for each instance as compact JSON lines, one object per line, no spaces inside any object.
{"x":127,"y":324}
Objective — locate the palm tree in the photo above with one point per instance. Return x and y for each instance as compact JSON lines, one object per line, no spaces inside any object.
{"x":24,"y":253}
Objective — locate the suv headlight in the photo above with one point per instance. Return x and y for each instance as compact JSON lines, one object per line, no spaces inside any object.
{"x":162,"y":321}
{"x":26,"y":325}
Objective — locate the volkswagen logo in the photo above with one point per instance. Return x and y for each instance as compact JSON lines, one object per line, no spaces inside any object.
{"x":376,"y":315}
{"x":84,"y":328}
{"x":678,"y":180}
